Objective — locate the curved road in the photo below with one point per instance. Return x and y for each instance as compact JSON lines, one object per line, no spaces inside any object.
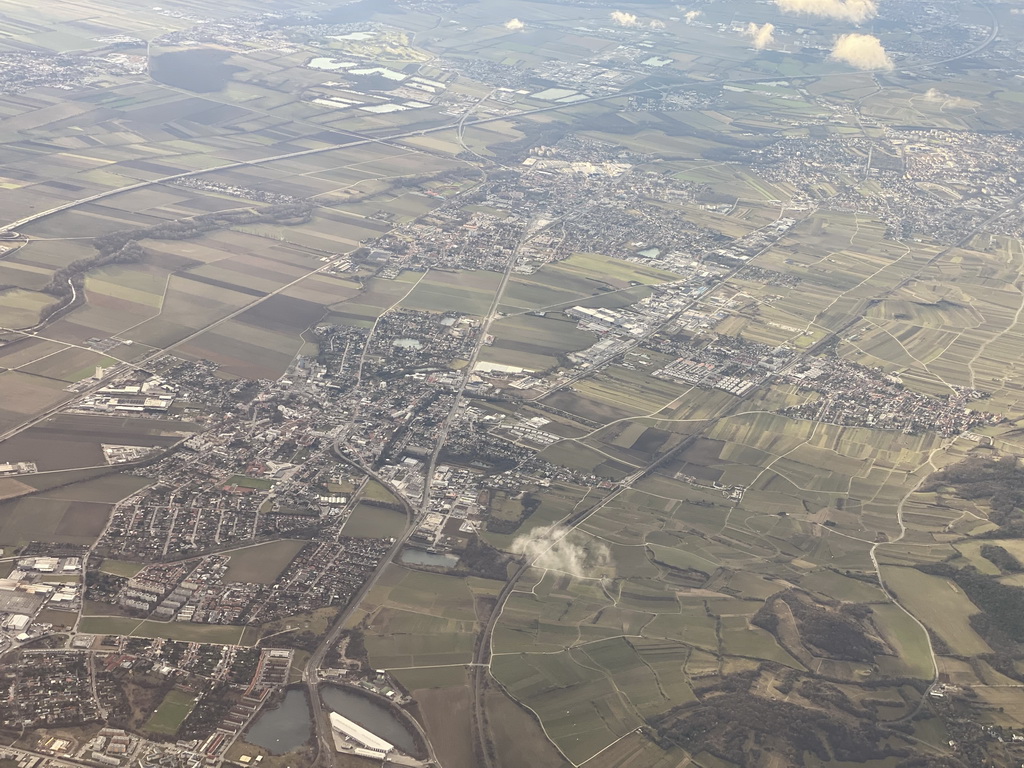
{"x":482,"y":657}
{"x":311,"y":674}
{"x":461,"y":124}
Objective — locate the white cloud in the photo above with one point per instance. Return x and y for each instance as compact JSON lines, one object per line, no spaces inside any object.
{"x":936,"y":96}
{"x":692,"y":15}
{"x":514,"y":25}
{"x":624,"y":19}
{"x":856,"y":11}
{"x":861,"y":51}
{"x":762,"y":36}
{"x":561,"y":549}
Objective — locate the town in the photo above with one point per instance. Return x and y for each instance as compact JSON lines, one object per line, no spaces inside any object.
{"x":499,"y":385}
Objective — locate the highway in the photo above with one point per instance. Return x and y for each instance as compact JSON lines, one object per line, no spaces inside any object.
{"x":482,"y":654}
{"x":492,"y":314}
{"x":311,"y":675}
{"x":357,"y":141}
{"x":459,"y":126}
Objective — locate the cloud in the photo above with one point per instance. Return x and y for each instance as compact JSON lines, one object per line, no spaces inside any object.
{"x":656,"y":24}
{"x":861,"y":51}
{"x":856,"y":11}
{"x":936,"y":96}
{"x":624,"y":19}
{"x":763,"y":35}
{"x":514,"y":25}
{"x":561,"y":549}
{"x":692,"y":15}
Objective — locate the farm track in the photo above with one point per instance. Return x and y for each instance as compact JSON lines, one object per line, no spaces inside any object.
{"x":482,"y":653}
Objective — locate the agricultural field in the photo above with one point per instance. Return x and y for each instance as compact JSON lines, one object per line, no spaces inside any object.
{"x":71,"y":512}
{"x":416,"y":623}
{"x":72,"y":441}
{"x":674,"y":569}
{"x":776,"y":522}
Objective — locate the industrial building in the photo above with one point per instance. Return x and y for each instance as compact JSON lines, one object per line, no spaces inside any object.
{"x":367,"y":744}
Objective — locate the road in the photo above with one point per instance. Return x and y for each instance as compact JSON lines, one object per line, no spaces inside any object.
{"x":147,"y":359}
{"x":311,"y":673}
{"x":895,"y":600}
{"x":646,"y":335}
{"x":453,"y":412}
{"x":483,"y":652}
{"x":324,"y":740}
{"x":460,"y":126}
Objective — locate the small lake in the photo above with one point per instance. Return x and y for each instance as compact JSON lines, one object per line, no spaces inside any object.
{"x":374,"y":717}
{"x":419,"y":557}
{"x":201,"y":70}
{"x":283,"y":729}
{"x":407,"y":343}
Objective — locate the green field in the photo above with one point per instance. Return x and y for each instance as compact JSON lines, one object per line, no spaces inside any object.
{"x":183,"y":631}
{"x":263,"y":563}
{"x":171,"y":713}
{"x":724,"y":193}
{"x":250,"y":482}
{"x":418,"y":619}
{"x":374,"y":491}
{"x":940,"y":605}
{"x":374,"y":522}
{"x":121,"y":568}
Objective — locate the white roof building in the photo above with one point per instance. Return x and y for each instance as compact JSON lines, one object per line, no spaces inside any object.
{"x":355,"y":732}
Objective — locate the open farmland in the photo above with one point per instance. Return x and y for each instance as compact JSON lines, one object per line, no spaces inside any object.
{"x":374,"y":521}
{"x":677,"y":350}
{"x":71,"y":512}
{"x":74,"y":440}
{"x":418,"y":622}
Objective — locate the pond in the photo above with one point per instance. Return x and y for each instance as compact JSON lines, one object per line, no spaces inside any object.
{"x":407,"y":343}
{"x":285,"y":728}
{"x":420,"y":557}
{"x":374,"y":717}
{"x":201,"y":70}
